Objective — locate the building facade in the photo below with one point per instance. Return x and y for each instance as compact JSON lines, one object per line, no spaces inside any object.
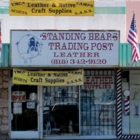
{"x":106,"y":105}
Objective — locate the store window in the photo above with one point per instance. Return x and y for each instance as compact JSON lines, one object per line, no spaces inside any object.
{"x":98,"y":103}
{"x":95,"y":101}
{"x":61,"y":110}
{"x":24,"y":108}
{"x":84,"y":110}
{"x":131,"y":102}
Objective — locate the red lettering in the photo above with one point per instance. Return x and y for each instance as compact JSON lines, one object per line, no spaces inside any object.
{"x":108,"y":36}
{"x":102,"y":37}
{"x":18,"y":98}
{"x":96,"y":36}
{"x":101,"y":46}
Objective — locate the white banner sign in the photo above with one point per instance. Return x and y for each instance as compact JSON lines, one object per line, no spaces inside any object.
{"x":65,"y":48}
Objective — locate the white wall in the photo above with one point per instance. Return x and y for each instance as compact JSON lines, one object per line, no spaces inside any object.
{"x":97,"y":22}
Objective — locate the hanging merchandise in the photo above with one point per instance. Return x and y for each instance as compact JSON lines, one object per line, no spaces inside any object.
{"x":63,"y":94}
{"x":48,"y":127}
{"x":136,"y":109}
{"x":136,"y":104}
{"x":126,"y":102}
{"x":70,"y":126}
{"x":33,"y":96}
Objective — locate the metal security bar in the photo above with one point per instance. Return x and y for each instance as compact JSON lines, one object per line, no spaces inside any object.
{"x":61,"y":110}
{"x":98,"y":118}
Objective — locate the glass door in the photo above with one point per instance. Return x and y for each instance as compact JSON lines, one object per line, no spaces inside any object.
{"x":24,"y":111}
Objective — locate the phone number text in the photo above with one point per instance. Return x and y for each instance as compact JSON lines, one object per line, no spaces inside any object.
{"x":79,"y":61}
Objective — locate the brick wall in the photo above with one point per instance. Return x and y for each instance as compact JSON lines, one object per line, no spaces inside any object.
{"x":4,"y":83}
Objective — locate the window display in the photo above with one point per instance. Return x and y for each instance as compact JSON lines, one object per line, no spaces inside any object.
{"x":86,"y":110}
{"x":97,"y":108}
{"x":98,"y":101}
{"x":60,"y":111}
{"x":24,"y":108}
{"x":96,"y":116}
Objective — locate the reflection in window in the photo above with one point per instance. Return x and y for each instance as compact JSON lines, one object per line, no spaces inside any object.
{"x":98,"y":103}
{"x":61,"y":110}
{"x":97,"y":116}
{"x":131,"y":102}
{"x":23,"y":107}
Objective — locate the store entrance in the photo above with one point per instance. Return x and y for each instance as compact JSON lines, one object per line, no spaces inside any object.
{"x":24,"y":118}
{"x":60,"y":110}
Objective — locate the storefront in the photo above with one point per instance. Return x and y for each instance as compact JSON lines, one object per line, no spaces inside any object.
{"x":128,"y":123}
{"x":64,"y":84}
{"x":66,"y":110}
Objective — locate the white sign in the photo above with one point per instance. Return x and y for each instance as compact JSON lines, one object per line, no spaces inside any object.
{"x":31,"y":105}
{"x":65,"y":48}
{"x":17,"y":108}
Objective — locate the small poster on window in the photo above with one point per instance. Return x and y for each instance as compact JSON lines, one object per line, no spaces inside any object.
{"x":30,"y":105}
{"x":17,"y":108}
{"x":18,"y":96}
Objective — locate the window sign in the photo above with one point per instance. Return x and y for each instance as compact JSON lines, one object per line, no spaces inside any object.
{"x":98,"y":101}
{"x":18,"y":96}
{"x":48,"y":78}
